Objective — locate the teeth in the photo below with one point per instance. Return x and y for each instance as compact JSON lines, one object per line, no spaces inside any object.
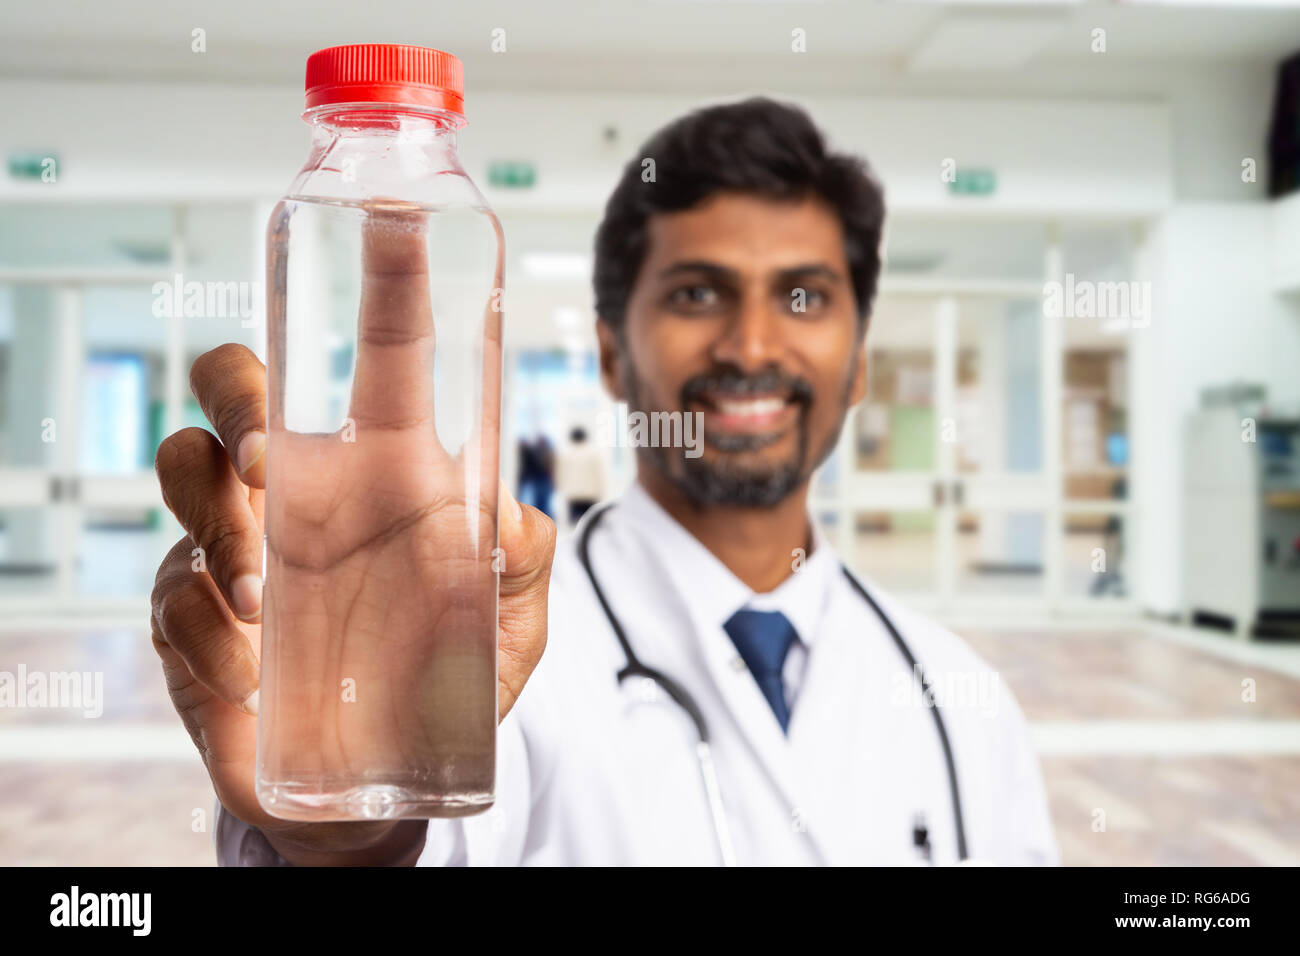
{"x":755,"y":406}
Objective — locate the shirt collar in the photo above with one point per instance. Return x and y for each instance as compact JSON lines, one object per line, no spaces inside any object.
{"x":710,"y":588}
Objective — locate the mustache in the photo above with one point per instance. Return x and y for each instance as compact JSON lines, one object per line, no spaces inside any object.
{"x":736,"y":384}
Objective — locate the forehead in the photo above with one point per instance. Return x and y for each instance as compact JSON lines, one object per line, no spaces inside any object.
{"x":747,"y":232}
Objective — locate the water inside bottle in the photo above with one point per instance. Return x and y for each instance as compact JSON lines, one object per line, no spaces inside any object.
{"x":379,"y":645}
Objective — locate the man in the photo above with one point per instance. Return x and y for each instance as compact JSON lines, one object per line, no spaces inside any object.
{"x":735,"y":284}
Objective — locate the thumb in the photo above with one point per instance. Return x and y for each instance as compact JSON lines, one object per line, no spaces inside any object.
{"x":527,"y":539}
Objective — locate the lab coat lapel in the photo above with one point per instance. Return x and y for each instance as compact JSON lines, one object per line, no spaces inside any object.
{"x":741,"y":701}
{"x":827,"y":741}
{"x":737,"y":698}
{"x":753,"y":717}
{"x":864,"y":759}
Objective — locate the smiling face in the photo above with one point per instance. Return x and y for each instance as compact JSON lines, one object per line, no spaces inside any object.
{"x":744,"y":311}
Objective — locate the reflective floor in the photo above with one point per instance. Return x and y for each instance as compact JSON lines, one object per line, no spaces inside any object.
{"x":1160,"y":746}
{"x":1150,"y":753}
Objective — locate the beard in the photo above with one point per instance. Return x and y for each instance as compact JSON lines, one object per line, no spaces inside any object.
{"x":724,"y":480}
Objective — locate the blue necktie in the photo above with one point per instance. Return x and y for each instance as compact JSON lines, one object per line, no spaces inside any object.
{"x":763,"y":639}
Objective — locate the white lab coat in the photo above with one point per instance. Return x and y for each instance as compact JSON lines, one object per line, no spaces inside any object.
{"x":589,"y":772}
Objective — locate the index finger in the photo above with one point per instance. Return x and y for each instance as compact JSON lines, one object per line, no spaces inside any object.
{"x":230,"y":384}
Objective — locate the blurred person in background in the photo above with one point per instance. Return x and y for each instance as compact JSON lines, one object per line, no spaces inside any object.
{"x":537,"y":472}
{"x":580,"y":474}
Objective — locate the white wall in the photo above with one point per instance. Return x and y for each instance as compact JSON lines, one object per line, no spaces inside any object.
{"x":1216,"y":318}
{"x":205,"y":140}
{"x":121,"y":139}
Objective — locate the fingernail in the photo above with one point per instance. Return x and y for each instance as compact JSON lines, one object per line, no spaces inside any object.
{"x":246,"y":593}
{"x":250,"y":703}
{"x":251,"y":448}
{"x":516,"y":509}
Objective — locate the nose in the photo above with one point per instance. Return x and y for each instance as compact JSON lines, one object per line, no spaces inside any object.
{"x":752,"y":339}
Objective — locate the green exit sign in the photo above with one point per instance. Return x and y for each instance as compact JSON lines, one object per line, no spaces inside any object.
{"x":34,"y":165}
{"x":974,"y":182}
{"x":512,"y":175}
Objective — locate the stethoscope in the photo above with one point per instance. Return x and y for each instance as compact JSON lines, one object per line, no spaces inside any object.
{"x":703,"y":751}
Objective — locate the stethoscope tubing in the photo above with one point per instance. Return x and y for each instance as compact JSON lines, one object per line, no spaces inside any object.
{"x":680,"y":696}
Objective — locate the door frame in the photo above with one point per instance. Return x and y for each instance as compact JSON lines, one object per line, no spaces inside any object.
{"x":945,"y":492}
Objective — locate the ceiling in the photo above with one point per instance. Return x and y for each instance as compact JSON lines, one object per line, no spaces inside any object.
{"x":642,"y":44}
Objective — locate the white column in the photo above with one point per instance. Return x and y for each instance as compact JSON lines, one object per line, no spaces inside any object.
{"x":945,"y":399}
{"x":32,"y":396}
{"x":1052,"y":370}
{"x":992,"y":385}
{"x":70,"y":360}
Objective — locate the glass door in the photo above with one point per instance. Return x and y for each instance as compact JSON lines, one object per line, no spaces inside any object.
{"x":876,"y":496}
{"x":36,"y":518}
{"x":943,"y":471}
{"x":103,"y":308}
{"x":987,"y":466}
{"x":81,"y":369}
{"x":996,"y":363}
{"x":122,"y":532}
{"x":1093,"y":528}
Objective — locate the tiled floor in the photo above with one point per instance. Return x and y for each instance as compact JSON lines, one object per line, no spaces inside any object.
{"x":1150,"y":754}
{"x":1186,"y":811}
{"x":1140,"y":730}
{"x":1126,"y":674}
{"x":132,"y":813}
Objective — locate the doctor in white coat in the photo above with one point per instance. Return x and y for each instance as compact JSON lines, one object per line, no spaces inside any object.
{"x":596,"y":772}
{"x":701,"y":681}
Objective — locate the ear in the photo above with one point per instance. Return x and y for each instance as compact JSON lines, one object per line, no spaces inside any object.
{"x":858,"y":391}
{"x":611,"y":355}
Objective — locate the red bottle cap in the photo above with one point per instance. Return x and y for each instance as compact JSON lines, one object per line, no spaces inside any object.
{"x":386,"y":73}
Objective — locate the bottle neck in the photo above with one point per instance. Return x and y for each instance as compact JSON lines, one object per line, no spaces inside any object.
{"x":360,"y":151}
{"x":413,"y":123}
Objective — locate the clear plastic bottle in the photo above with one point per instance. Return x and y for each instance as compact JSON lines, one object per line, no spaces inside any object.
{"x":379,"y":634}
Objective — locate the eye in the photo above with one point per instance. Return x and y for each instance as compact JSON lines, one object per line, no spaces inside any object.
{"x":694,"y":296}
{"x":801,"y":300}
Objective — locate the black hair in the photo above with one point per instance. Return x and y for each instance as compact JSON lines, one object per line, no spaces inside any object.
{"x":756,"y":146}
